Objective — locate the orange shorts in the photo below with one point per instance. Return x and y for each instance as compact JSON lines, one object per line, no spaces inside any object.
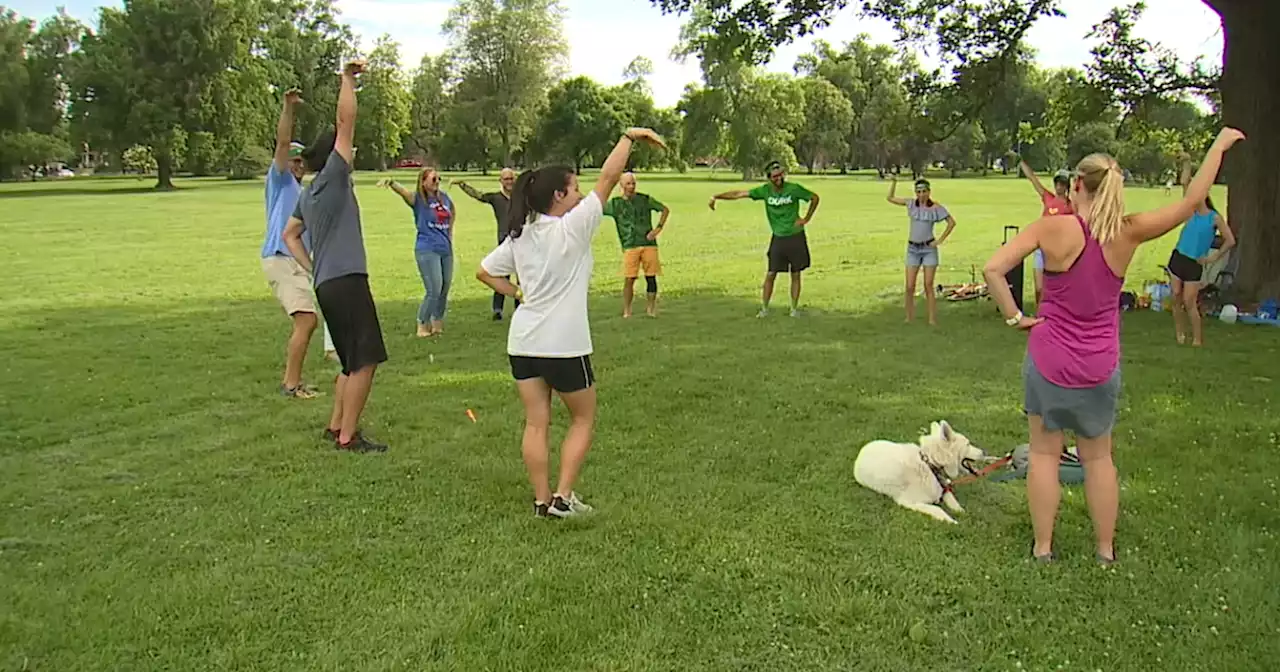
{"x":636,"y":257}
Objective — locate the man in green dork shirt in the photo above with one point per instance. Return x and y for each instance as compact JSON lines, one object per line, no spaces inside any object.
{"x":788,"y":248}
{"x":632,"y":212}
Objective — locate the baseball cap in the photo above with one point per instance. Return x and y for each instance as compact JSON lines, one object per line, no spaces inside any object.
{"x":296,"y":149}
{"x":1062,"y":176}
{"x":772,"y":166}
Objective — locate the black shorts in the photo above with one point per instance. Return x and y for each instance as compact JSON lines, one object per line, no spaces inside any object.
{"x":1185,"y":268}
{"x":788,"y":255}
{"x":564,"y":375}
{"x":352,"y":320}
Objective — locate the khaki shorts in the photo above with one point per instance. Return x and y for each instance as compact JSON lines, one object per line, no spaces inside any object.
{"x":636,"y":257}
{"x":291,"y":284}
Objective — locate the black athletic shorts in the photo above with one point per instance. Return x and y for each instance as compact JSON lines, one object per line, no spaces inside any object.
{"x":564,"y":375}
{"x":352,"y":320}
{"x":1185,"y":268}
{"x":788,"y":255}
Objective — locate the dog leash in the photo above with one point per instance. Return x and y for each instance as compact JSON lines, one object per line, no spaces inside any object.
{"x":974,"y":475}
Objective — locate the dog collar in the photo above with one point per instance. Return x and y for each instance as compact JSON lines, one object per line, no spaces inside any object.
{"x":940,"y":475}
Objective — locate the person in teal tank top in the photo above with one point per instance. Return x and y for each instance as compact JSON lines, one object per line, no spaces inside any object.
{"x":1188,"y":260}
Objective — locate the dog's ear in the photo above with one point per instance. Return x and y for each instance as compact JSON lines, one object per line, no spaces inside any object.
{"x":944,"y":428}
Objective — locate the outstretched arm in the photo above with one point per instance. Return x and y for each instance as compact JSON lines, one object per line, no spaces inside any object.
{"x":893,"y":189}
{"x":407,"y":195}
{"x":1035,"y":179}
{"x":471,"y":191}
{"x":284,"y":129}
{"x":1150,"y":225}
{"x":346,"y":126}
{"x":728,"y":196}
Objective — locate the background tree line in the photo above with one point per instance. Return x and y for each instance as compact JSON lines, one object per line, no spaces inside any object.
{"x":195,"y":86}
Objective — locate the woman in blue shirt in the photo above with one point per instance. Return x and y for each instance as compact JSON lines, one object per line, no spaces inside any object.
{"x":433,"y":216}
{"x":1186,"y":266}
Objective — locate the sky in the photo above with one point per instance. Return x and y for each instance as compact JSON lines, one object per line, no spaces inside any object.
{"x":605,"y":35}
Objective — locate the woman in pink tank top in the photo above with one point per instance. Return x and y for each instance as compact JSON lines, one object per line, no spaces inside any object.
{"x":1071,"y":371}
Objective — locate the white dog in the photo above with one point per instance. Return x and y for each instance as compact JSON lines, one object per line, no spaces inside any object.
{"x":907,"y":473}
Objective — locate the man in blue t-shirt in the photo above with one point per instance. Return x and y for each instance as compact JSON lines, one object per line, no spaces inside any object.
{"x":288,"y":279}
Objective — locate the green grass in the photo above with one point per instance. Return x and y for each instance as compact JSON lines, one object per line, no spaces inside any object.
{"x":163,"y":509}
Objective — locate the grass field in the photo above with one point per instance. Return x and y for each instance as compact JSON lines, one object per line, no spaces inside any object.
{"x":163,"y":508}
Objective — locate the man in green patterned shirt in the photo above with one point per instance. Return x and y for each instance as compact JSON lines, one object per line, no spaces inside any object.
{"x":633,"y":214}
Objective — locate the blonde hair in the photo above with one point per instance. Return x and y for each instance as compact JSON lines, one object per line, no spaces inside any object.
{"x":1102,"y":178}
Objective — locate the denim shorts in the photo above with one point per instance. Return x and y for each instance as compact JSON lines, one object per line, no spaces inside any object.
{"x":919,"y":254}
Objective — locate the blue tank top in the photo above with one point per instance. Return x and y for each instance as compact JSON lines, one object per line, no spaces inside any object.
{"x":1197,"y":235}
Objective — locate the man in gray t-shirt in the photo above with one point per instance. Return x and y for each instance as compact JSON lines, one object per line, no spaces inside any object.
{"x":328,"y":212}
{"x":328,"y":209}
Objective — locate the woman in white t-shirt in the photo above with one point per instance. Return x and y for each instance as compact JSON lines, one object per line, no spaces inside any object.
{"x":549,"y":341}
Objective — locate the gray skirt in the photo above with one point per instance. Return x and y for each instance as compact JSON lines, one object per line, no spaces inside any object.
{"x":1088,"y":412}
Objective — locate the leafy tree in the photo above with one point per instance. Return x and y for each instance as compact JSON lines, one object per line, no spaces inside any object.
{"x":146,"y":74}
{"x":963,"y":150}
{"x":19,"y":150}
{"x":431,"y":96}
{"x":582,"y":121}
{"x":828,"y":120}
{"x":508,"y":54}
{"x":304,"y":44}
{"x":384,"y":107}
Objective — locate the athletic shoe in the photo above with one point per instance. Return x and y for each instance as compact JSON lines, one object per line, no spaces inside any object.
{"x":764,"y":312}
{"x":540,"y":510}
{"x":359,"y":444}
{"x":568,"y":508}
{"x":795,"y":312}
{"x":300,"y":392}
{"x":497,"y":317}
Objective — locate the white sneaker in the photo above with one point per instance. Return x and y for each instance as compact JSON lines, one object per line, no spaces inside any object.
{"x":568,"y":507}
{"x":764,"y":312}
{"x":795,"y":312}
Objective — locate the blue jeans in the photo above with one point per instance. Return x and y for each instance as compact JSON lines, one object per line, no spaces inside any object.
{"x":437,"y":274}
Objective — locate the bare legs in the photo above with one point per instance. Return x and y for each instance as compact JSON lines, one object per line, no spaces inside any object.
{"x":795,"y":289}
{"x":628,"y":295}
{"x":1044,"y":492}
{"x":350,"y":392}
{"x":930,"y":294}
{"x":910,"y":304}
{"x":766,"y":292}
{"x":1186,"y":307}
{"x":304,"y":324}
{"x":535,"y":394}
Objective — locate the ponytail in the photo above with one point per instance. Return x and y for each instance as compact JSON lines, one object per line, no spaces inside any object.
{"x":518,"y":213}
{"x":533,"y":193}
{"x":1102,"y":178}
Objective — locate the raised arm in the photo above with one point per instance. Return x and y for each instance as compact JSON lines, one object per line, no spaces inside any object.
{"x":893,"y":189}
{"x":346,"y":126}
{"x":728,"y":196}
{"x":471,"y":191}
{"x":614,"y":166}
{"x":407,"y":195}
{"x":1150,"y":225}
{"x":284,"y":130}
{"x":1035,"y":179}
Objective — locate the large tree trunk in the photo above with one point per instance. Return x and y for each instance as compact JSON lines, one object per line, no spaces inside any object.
{"x":164,"y":171}
{"x":1251,"y":103}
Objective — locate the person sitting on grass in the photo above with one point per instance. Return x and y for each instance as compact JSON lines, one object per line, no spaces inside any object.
{"x":1056,"y":202}
{"x":922,"y":247}
{"x":433,"y":215}
{"x":788,"y":246}
{"x":549,"y":340}
{"x":631,"y":212}
{"x":1071,"y":371}
{"x":328,"y":209}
